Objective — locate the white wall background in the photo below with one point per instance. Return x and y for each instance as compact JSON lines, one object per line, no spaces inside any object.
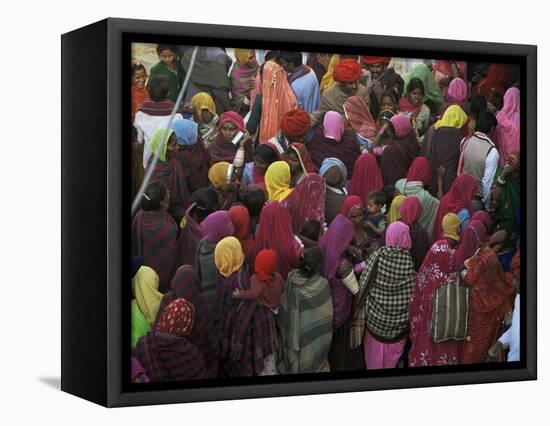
{"x":30,"y":213}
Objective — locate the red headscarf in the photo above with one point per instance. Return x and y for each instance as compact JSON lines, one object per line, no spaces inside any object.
{"x":459,"y":197}
{"x":420,"y":170}
{"x":474,"y":234}
{"x":232,"y":117}
{"x":241,"y":222}
{"x":484,"y":217}
{"x":410,"y":210}
{"x":295,"y":123}
{"x":347,"y":71}
{"x":265,"y":265}
{"x":178,"y":318}
{"x":401,"y":124}
{"x":351,"y":202}
{"x":371,"y":60}
{"x":366,"y":177}
{"x":303,"y":156}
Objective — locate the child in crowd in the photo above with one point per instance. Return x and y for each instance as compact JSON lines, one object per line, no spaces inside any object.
{"x":376,"y":217}
{"x":309,"y":234}
{"x":170,"y":67}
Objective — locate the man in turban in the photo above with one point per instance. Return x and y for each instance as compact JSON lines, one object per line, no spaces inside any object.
{"x":347,"y":74}
{"x":293,"y":128}
{"x":382,"y":78}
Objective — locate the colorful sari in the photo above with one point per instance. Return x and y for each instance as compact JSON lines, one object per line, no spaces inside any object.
{"x":366,"y":177}
{"x":358,"y":114}
{"x":508,"y":132}
{"x":241,"y":222}
{"x":242,"y":79}
{"x":432,"y":93}
{"x":307,"y":201}
{"x":472,"y":237}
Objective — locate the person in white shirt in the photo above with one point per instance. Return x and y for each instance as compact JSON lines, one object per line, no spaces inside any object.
{"x":479,"y":156}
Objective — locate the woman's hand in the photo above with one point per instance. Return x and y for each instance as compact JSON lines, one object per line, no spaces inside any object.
{"x":245,"y":139}
{"x":495,"y":349}
{"x":235,"y":294}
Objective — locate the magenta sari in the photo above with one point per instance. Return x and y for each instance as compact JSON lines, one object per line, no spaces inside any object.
{"x":508,"y":125}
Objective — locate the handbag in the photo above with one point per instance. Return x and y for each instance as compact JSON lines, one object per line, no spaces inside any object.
{"x":450,"y":309}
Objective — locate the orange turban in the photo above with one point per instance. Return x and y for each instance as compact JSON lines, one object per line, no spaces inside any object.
{"x":347,"y":71}
{"x":371,"y":60}
{"x":295,"y":123}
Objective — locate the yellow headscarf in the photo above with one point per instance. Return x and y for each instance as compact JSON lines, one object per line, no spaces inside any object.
{"x":277,"y":181}
{"x":228,"y":256}
{"x":393,"y":214}
{"x":454,"y":116}
{"x":159,"y":144}
{"x":450,"y":225}
{"x":217,"y":175}
{"x":145,"y":286}
{"x":202,"y":101}
{"x":242,"y":55}
{"x":327,"y":80}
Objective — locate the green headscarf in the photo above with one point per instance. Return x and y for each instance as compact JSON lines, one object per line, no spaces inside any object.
{"x":159,"y":144}
{"x":431,"y":87}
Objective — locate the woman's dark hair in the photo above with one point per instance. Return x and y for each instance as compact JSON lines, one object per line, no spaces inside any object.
{"x":292,"y":57}
{"x":478,"y":104}
{"x":172,"y":48}
{"x":385,"y":115}
{"x":486,"y":121}
{"x":207,"y":202}
{"x":389,"y":194}
{"x":254,"y":202}
{"x":310,"y":261}
{"x":311,"y":230}
{"x":153,"y":197}
{"x":415,"y":83}
{"x":159,"y":88}
{"x":138,"y":66}
{"x":272,"y":54}
{"x":392,"y":94}
{"x":377,"y":197}
{"x":266,"y":154}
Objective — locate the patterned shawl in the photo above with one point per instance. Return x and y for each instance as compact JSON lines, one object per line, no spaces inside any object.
{"x":307,"y":201}
{"x":366,"y":177}
{"x":305,"y":324}
{"x":358,"y":114}
{"x":154,"y":236}
{"x":382,"y":304}
{"x":242,"y":80}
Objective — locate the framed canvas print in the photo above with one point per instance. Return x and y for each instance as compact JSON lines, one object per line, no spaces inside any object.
{"x":277,"y":212}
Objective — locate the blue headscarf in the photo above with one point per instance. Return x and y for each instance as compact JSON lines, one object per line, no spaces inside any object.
{"x":186,"y":132}
{"x":331,"y":162}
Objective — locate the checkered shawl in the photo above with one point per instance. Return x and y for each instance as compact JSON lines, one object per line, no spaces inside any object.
{"x":247,"y":331}
{"x":167,"y":357}
{"x":382,"y":304}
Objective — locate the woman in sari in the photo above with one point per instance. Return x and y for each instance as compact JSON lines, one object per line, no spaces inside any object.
{"x":360,"y":118}
{"x":186,"y":285}
{"x":333,"y":139}
{"x":203,"y":202}
{"x":410,"y":211}
{"x":354,"y":209}
{"x":418,"y":177}
{"x":401,"y":150}
{"x":366,"y":178}
{"x":216,"y":226}
{"x":508,"y":125}
{"x":277,"y":99}
{"x":435,"y":269}
{"x":457,"y":94}
{"x":227,"y":193}
{"x":145,"y":302}
{"x":341,"y":277}
{"x":458,"y":200}
{"x":300,"y":163}
{"x":411,"y":104}
{"x":247,"y":330}
{"x":154,"y":234}
{"x":167,"y":353}
{"x":243,"y":79}
{"x":380,"y":318}
{"x":192,"y":156}
{"x":204,"y":114}
{"x":254,"y":172}
{"x":241,"y":222}
{"x":433,"y":97}
{"x":394,"y":212}
{"x":491,"y":297}
{"x":471,"y":239}
{"x":441,"y":147}
{"x":168,"y":171}
{"x":305,"y":318}
{"x":223,"y":149}
{"x":275,"y":233}
{"x":335,"y":174}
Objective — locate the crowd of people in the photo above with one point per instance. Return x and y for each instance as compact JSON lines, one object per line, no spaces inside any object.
{"x":301,"y":211}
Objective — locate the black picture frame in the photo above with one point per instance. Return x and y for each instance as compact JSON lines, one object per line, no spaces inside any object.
{"x":95,"y":173}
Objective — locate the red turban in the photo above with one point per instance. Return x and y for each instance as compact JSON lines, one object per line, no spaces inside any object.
{"x":371,"y":60}
{"x":347,"y":71}
{"x":295,"y":123}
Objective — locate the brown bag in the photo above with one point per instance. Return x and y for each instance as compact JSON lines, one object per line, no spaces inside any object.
{"x":450,"y":309}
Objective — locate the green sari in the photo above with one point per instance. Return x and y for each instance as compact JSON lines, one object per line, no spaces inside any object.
{"x":140,"y":326}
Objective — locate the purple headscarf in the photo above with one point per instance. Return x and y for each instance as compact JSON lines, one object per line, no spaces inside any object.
{"x":333,"y":126}
{"x":398,"y":235}
{"x":217,"y":226}
{"x":401,"y":124}
{"x":457,"y":91}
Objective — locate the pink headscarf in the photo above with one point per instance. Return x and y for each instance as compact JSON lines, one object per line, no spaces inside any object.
{"x":402,"y":125}
{"x":457,"y":91}
{"x":333,"y":126}
{"x":410,"y":210}
{"x":397,"y":235}
{"x":232,"y":117}
{"x":508,"y":125}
